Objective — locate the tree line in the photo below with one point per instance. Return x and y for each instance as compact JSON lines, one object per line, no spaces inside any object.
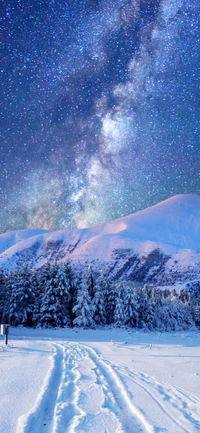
{"x":56,"y":296}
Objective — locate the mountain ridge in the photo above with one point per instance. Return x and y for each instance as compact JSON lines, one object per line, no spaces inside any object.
{"x":159,"y":244}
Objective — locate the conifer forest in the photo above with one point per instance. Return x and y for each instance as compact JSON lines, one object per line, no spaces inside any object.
{"x":57,"y":296}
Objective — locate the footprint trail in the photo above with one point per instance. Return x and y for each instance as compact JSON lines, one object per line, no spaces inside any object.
{"x":82,"y":394}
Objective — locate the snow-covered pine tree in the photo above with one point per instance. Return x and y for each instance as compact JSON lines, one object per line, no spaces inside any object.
{"x":84,"y":308}
{"x":110,"y":303}
{"x":36,"y":289}
{"x":119,"y":318}
{"x":68,"y":271}
{"x":173,"y":295}
{"x":156,"y":295}
{"x":51,"y":311}
{"x":2,"y":293}
{"x":194,"y":306}
{"x":13,"y":312}
{"x":99,"y":301}
{"x":77,"y":283}
{"x":184,"y":295}
{"x":63,"y":284}
{"x":43,"y":277}
{"x":48,"y":298}
{"x":72,"y":289}
{"x":22,"y":299}
{"x":147,"y":308}
{"x":182,"y":315}
{"x":196,"y":314}
{"x":165,"y":294}
{"x":131,"y":307}
{"x":173,"y":316}
{"x":10,"y":284}
{"x":161,"y":320}
{"x":90,"y":282}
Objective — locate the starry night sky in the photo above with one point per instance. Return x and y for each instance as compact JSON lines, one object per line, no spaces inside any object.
{"x":100,"y":108}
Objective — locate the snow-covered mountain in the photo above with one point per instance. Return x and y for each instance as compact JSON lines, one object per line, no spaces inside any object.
{"x":160,"y":244}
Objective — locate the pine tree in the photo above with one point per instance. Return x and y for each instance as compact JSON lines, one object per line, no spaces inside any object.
{"x":13,"y":318}
{"x":165,"y":294}
{"x":106,"y":294}
{"x":182,"y":315}
{"x":99,"y":301}
{"x":72,"y":289}
{"x":37,"y":297}
{"x":119,"y":310}
{"x":2,"y":293}
{"x":28,"y":298}
{"x":131,"y":308}
{"x":196,"y":314}
{"x":51,"y":310}
{"x":63,"y":284}
{"x":173,"y":316}
{"x":84,"y":308}
{"x":10,"y":284}
{"x":43,"y":277}
{"x":173,"y":294}
{"x":22,"y":298}
{"x":147,"y":308}
{"x":111,"y":298}
{"x":76,"y":287}
{"x":156,"y":295}
{"x":90,"y":282}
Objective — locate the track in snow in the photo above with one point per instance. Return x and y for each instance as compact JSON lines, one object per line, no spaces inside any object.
{"x":83,"y":394}
{"x":179,"y":407}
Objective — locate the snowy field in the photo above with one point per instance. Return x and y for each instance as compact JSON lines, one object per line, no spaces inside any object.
{"x":99,"y":381}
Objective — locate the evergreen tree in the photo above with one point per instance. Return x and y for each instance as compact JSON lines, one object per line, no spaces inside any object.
{"x":72,"y":289}
{"x":37,"y":302}
{"x":196,"y":314}
{"x":90,"y":282}
{"x":13,"y":304}
{"x":156,"y":295}
{"x":131,"y":308}
{"x":52,"y":311}
{"x":22,"y":298}
{"x":111,"y":299}
{"x":84,"y":308}
{"x":165,"y":294}
{"x":76,"y":287}
{"x":2,"y":293}
{"x":147,"y":308}
{"x":173,"y":316}
{"x":10,"y":284}
{"x":173,"y":294}
{"x":63,"y":283}
{"x":43,"y":277}
{"x":99,"y":301}
{"x":119,"y":318}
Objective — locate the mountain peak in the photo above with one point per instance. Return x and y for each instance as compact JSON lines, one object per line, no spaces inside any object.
{"x":159,"y":232}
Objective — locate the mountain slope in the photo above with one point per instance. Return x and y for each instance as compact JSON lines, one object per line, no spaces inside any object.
{"x":8,"y":239}
{"x":174,"y":221}
{"x":158,"y":244}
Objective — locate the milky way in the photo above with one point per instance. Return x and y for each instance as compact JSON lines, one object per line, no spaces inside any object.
{"x":100,"y":108}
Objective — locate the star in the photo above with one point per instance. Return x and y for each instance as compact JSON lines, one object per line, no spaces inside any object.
{"x":99,"y":109}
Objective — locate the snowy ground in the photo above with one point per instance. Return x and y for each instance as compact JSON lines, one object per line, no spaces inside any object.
{"x":112,"y":381}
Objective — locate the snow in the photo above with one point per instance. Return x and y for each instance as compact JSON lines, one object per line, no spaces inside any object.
{"x":9,"y":239}
{"x":24,"y":364}
{"x":174,"y":221}
{"x":97,"y":381}
{"x":171,"y":226}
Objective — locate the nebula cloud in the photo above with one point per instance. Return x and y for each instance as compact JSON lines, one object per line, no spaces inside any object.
{"x":100,"y":109}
